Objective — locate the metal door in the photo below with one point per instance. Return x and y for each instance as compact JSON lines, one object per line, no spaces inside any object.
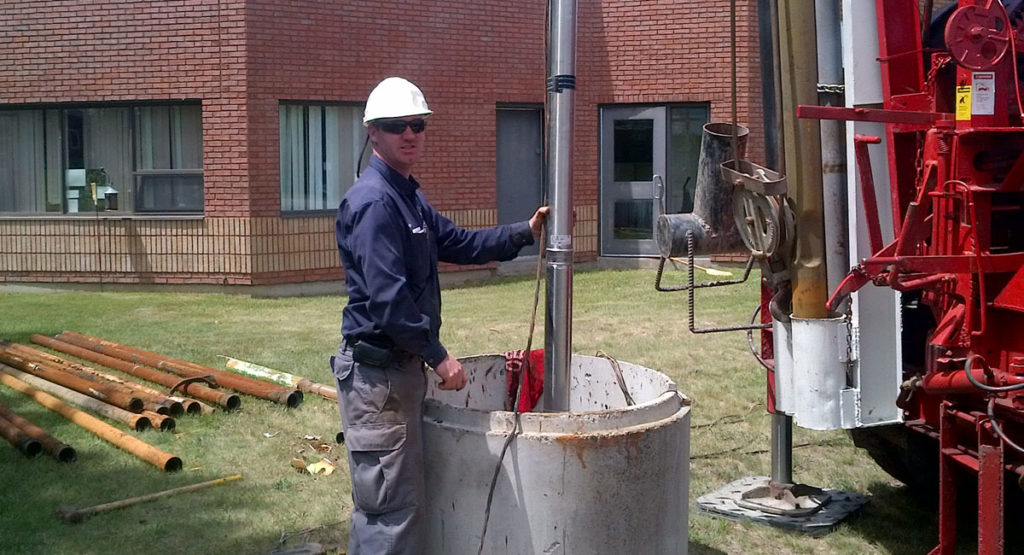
{"x":632,"y":178}
{"x":520,"y":165}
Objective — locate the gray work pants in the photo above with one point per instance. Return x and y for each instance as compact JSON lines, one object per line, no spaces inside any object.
{"x":381,"y":414}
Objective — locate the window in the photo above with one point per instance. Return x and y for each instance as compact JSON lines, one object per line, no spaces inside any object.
{"x":320,"y":154}
{"x":144,"y":158}
{"x":169,"y":177}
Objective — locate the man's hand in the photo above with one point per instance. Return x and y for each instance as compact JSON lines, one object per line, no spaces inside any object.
{"x":453,"y":376}
{"x":538,"y":219}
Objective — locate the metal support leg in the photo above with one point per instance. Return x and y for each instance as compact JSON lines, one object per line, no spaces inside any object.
{"x":782,"y":448}
{"x":991,"y":477}
{"x":947,"y":484}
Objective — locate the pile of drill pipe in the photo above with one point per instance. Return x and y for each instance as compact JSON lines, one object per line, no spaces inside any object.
{"x":138,"y":422}
{"x":107,"y":394}
{"x":175,"y":406}
{"x":54,"y":447}
{"x":156,"y":408}
{"x":304,"y":385}
{"x":223,"y":399}
{"x":286,"y":396}
{"x":159,"y":419}
{"x":160,"y":459}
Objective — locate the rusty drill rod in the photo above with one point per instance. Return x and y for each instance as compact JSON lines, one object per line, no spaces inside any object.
{"x":19,"y":439}
{"x":323,"y":390}
{"x":229,"y":401}
{"x":137,"y":422}
{"x":192,"y":406}
{"x":104,"y":431}
{"x":186,"y":369}
{"x":73,"y":515}
{"x":160,"y":422}
{"x":156,"y":400}
{"x":57,"y":449}
{"x":85,"y":387}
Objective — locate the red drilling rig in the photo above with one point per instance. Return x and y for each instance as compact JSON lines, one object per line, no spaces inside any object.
{"x":917,"y":344}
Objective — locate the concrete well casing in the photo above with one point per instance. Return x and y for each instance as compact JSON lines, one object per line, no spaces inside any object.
{"x":602,"y":478}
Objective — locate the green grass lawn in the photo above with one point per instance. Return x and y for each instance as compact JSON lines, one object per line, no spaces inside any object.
{"x":617,"y":312}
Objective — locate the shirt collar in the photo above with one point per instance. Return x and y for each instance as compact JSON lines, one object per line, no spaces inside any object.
{"x":397,"y":180}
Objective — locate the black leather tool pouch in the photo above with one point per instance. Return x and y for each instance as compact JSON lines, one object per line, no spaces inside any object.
{"x":367,"y":353}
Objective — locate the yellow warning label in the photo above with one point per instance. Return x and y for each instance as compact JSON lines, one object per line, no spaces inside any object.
{"x":963,"y":103}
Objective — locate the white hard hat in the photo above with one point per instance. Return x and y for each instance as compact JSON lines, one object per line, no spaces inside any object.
{"x":395,"y":97}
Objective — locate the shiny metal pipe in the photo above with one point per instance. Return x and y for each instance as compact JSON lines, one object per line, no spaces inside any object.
{"x":827,"y":20}
{"x":561,"y":87}
{"x":782,"y":448}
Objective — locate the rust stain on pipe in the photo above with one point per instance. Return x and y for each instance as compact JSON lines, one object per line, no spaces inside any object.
{"x":162,"y":422}
{"x":229,"y":401}
{"x":134,"y":421}
{"x":54,"y":447}
{"x":70,"y":381}
{"x":160,"y":459}
{"x":155,"y":400}
{"x":19,"y":439}
{"x":283,"y":395}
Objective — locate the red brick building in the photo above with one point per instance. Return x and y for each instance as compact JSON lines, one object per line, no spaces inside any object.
{"x":208,"y":142}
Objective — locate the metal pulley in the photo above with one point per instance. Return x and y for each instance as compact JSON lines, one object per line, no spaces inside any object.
{"x":766,"y":223}
{"x":753,"y":177}
{"x":979,"y":36}
{"x":757,"y":219}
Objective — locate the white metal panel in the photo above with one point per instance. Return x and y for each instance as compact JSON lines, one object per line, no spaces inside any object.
{"x":876,"y":314}
{"x":860,"y":53}
{"x":820,"y":363}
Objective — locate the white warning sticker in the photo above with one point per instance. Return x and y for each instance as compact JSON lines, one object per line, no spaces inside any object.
{"x":983,"y":93}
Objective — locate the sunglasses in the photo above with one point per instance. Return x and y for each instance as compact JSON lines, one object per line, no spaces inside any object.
{"x":397,"y":127}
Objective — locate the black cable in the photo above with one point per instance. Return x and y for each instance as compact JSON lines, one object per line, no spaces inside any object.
{"x":750,"y":340}
{"x":984,"y":387}
{"x":516,"y":427}
{"x":359,"y":160}
{"x":995,"y":425}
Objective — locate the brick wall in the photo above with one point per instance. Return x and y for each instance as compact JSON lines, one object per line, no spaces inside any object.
{"x":74,"y":51}
{"x":241,"y":58}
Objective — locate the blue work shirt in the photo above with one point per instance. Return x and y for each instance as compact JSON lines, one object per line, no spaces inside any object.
{"x":390,"y":240}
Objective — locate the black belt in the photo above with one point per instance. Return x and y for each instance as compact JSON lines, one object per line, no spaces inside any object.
{"x":375,"y":350}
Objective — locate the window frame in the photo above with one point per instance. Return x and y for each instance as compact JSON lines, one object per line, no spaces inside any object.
{"x":360,"y":151}
{"x":127,"y":204}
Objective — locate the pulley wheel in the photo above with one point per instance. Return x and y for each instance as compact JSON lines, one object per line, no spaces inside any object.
{"x":979,"y":36}
{"x":757,"y":220}
{"x":787,"y":224}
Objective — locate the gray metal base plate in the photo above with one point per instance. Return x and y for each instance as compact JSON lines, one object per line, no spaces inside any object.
{"x":722,"y":503}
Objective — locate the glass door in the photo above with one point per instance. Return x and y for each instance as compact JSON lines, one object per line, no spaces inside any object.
{"x":632,"y":178}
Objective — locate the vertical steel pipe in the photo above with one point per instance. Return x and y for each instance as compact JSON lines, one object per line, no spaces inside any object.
{"x":156,"y":457}
{"x":57,"y":449}
{"x":833,"y":141}
{"x":561,"y":87}
{"x":782,"y":448}
{"x":229,"y":401}
{"x":799,"y":73}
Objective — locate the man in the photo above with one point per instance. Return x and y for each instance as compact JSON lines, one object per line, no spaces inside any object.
{"x":390,"y":240}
